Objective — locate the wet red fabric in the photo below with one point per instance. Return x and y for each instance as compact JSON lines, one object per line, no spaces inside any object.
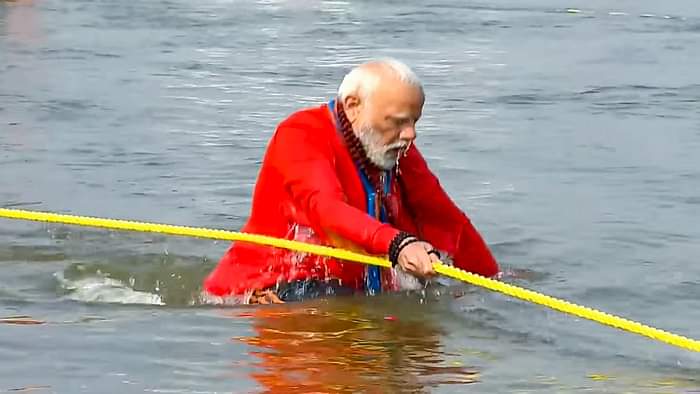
{"x":309,"y":189}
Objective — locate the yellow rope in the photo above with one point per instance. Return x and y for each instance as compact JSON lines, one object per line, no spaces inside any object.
{"x":449,"y":271}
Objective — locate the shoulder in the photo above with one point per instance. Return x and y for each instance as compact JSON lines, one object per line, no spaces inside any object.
{"x":305,"y":131}
{"x":310,"y":118}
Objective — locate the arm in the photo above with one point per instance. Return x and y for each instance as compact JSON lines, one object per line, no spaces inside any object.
{"x":305,"y":158}
{"x":439,"y":220}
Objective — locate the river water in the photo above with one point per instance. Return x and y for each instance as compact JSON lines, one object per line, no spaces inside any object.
{"x":568,"y":131}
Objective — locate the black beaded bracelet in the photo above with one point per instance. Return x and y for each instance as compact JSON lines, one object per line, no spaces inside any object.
{"x":397,"y":244}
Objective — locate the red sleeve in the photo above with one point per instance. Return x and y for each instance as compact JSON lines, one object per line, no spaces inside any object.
{"x":439,"y":220}
{"x":305,"y":158}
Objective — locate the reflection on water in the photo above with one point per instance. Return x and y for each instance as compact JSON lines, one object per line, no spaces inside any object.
{"x":348,"y":345}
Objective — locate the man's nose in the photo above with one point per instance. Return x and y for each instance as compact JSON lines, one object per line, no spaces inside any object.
{"x":408,"y":132}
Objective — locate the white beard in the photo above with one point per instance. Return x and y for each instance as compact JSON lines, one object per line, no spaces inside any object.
{"x":383,"y":156}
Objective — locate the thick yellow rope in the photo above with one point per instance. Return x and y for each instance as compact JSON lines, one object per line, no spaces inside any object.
{"x":449,"y":271}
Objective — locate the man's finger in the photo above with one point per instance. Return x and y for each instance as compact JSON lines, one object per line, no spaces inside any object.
{"x":275,"y":299}
{"x":411,"y":266}
{"x":428,"y":266}
{"x":434,"y":257}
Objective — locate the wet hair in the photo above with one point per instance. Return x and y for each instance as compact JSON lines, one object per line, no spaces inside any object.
{"x":363,"y":79}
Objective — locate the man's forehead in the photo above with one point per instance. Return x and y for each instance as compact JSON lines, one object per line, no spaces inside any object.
{"x":402,"y":115}
{"x":397,"y":86}
{"x":398,"y":95}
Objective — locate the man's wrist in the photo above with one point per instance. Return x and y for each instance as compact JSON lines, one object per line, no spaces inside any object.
{"x":400,"y":241}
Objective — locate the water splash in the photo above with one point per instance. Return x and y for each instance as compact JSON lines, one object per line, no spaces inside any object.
{"x":100,"y":289}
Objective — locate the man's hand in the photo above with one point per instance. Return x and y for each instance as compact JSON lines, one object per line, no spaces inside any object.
{"x":415,"y":259}
{"x":264,"y":297}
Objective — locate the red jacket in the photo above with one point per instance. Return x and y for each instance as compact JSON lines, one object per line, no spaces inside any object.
{"x":309,"y":189}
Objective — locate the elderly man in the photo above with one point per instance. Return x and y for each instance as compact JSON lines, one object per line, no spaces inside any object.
{"x":347,"y":174}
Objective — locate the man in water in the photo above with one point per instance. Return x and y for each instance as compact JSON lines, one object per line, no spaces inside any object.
{"x":347,"y":174}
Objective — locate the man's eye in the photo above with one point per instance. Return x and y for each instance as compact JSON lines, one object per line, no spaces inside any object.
{"x":399,"y":121}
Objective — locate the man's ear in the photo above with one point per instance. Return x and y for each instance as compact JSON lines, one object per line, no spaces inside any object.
{"x":352,"y":105}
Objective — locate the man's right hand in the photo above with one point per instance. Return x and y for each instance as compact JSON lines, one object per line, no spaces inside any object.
{"x":264,"y":297}
{"x":415,"y":259}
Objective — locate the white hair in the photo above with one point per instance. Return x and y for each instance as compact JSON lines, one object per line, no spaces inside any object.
{"x":363,"y":80}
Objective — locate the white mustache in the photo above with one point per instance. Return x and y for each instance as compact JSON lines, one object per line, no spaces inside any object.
{"x":396,"y":145}
{"x":384,"y":156}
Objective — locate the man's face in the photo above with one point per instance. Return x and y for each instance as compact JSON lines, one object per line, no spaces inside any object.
{"x":386,"y":123}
